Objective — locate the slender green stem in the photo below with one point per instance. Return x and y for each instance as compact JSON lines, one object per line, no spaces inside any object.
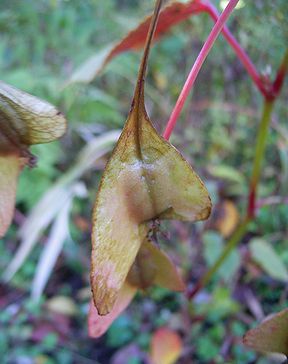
{"x":256,"y":171}
{"x":240,"y":231}
{"x":259,"y":155}
{"x":261,"y":141}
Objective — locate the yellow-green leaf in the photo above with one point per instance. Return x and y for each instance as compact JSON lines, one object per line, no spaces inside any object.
{"x":166,"y":346}
{"x":26,"y":120}
{"x":153,"y":267}
{"x":10,"y":165}
{"x":271,"y":335}
{"x":146,"y":178}
{"x":263,"y":253}
{"x":62,"y":305}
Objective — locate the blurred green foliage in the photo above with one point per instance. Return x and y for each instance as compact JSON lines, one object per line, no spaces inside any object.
{"x":41,"y":43}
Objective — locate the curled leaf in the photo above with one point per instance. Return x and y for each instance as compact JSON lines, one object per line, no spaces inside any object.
{"x":271,"y":335}
{"x":98,"y":325}
{"x":26,"y":120}
{"x":146,"y":178}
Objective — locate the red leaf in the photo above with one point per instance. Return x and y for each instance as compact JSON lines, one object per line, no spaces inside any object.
{"x":169,"y":16}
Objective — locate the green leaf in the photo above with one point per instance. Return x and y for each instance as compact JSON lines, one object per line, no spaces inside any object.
{"x":213,"y":247}
{"x":91,"y":67}
{"x":228,"y":173}
{"x":264,"y":254}
{"x":219,"y":306}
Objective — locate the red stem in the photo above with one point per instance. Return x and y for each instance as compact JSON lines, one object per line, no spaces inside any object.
{"x":242,"y":55}
{"x":251,"y":203}
{"x":197,"y":66}
{"x":279,"y":79}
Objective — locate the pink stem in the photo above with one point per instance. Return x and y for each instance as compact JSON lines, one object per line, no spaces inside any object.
{"x":197,"y":66}
{"x":242,"y":55}
{"x":279,"y":79}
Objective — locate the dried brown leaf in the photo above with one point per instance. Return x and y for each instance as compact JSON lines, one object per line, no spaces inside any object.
{"x":271,"y":335}
{"x":24,"y":120}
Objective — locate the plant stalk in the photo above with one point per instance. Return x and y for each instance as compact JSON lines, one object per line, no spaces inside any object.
{"x":279,"y":79}
{"x":240,"y":52}
{"x":250,"y":214}
{"x":259,"y":156}
{"x":197,"y":66}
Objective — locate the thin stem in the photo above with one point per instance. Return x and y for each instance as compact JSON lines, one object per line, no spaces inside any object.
{"x":240,"y":52}
{"x":279,"y":79}
{"x":259,"y":155}
{"x":241,"y":229}
{"x":139,"y":89}
{"x":197,"y":66}
{"x":270,"y":95}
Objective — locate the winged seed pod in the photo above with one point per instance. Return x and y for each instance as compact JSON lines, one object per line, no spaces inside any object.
{"x":24,"y":120}
{"x":146,"y":178}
